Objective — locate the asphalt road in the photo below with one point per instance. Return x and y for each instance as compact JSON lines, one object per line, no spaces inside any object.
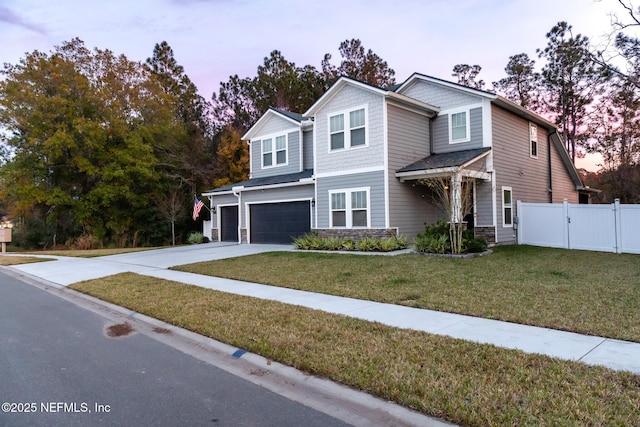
{"x":59,"y":367}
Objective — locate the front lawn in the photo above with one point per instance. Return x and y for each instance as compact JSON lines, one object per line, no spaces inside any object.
{"x":586,"y":292}
{"x":460,"y":381}
{"x":16,"y":260}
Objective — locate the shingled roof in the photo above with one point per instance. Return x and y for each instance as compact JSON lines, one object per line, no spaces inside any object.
{"x":267,"y":180}
{"x":444,"y":160}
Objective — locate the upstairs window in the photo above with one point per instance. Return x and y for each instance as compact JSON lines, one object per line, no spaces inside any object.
{"x":459,"y":127}
{"x":348,"y":130}
{"x":533,"y":140}
{"x":274,"y":151}
{"x":336,"y":130}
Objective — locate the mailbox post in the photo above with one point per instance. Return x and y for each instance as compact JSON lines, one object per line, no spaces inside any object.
{"x":5,"y":237}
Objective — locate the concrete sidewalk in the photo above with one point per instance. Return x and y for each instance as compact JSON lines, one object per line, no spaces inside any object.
{"x":615,"y":354}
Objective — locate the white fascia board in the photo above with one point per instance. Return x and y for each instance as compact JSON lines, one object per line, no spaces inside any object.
{"x":451,"y":85}
{"x":337,"y":86}
{"x":306,"y":181}
{"x":254,"y":130}
{"x":350,"y":172}
{"x":421,"y":173}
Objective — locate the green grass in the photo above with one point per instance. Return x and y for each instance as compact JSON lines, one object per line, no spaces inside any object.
{"x":90,"y":253}
{"x":15,"y":260}
{"x":586,"y":292}
{"x":463,"y":382}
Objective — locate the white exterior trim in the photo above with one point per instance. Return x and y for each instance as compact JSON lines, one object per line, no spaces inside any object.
{"x":350,"y":172}
{"x":385,"y":143}
{"x":247,"y":210}
{"x":349,"y":208}
{"x":487,"y":124}
{"x":347,"y":129}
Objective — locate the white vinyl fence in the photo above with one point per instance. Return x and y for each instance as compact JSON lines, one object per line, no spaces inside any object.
{"x":607,"y":228}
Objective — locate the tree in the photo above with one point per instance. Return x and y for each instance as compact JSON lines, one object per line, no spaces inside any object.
{"x":187,"y":155}
{"x":522,"y":81}
{"x":233,"y":158}
{"x":452,"y":194}
{"x":571,"y":80}
{"x":82,"y":126}
{"x":467,"y":74}
{"x":358,"y":64}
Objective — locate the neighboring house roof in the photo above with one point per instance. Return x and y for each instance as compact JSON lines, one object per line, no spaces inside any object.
{"x":291,"y":178}
{"x":445,"y":163}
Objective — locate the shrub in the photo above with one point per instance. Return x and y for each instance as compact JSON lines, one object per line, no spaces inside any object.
{"x":308,"y":241}
{"x":475,"y":245}
{"x":393,"y":243}
{"x":84,"y":242}
{"x":195,"y":238}
{"x":368,"y":244}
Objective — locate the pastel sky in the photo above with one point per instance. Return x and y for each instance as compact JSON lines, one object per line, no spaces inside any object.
{"x":213,"y":39}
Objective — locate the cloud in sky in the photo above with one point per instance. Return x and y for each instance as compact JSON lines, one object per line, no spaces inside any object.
{"x":214,"y":39}
{"x":8,"y":16}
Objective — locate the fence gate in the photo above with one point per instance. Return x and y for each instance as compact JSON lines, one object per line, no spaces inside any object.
{"x":607,"y":228}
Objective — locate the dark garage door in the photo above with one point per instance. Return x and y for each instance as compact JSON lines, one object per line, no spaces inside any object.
{"x":229,"y":224}
{"x":279,"y":222}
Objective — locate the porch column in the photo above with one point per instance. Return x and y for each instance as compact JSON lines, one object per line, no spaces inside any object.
{"x":456,"y":199}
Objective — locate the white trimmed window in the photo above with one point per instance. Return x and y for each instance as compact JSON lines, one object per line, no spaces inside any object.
{"x":459,"y":127}
{"x":350,"y":208}
{"x":507,"y":207}
{"x":274,"y":151}
{"x":348,"y":129}
{"x":533,"y":140}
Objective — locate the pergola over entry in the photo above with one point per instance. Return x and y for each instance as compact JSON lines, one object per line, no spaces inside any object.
{"x":458,"y":165}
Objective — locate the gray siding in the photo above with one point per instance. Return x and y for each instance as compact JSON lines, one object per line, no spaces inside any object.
{"x":346,"y":99}
{"x":484,"y":204}
{"x":374,"y":180}
{"x":225,"y":199}
{"x":528,"y":177}
{"x":284,"y":194}
{"x":307,"y":150}
{"x":441,"y":133}
{"x":562,"y":184}
{"x":293,"y":157}
{"x":409,"y":204}
{"x":439,"y":95}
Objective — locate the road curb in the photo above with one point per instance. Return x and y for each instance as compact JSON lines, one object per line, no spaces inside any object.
{"x":344,"y":403}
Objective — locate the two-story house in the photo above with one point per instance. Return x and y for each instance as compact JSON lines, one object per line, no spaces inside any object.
{"x":354,"y":164}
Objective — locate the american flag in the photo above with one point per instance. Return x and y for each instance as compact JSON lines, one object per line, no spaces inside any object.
{"x":197,"y":205}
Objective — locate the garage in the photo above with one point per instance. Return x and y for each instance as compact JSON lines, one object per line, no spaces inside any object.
{"x":279,"y":222}
{"x":229,"y":223}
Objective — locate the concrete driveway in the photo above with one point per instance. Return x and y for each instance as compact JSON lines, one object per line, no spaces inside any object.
{"x":68,"y":270}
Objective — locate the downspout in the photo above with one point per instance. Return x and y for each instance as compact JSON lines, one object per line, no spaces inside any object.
{"x":549,"y":168}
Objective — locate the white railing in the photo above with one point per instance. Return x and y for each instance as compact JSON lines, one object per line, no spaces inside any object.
{"x":607,"y":228}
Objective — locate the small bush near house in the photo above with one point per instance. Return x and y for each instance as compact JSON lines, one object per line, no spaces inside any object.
{"x":311,"y":241}
{"x":196,"y":238}
{"x":436,"y":240}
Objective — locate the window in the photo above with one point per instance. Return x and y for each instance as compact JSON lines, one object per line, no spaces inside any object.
{"x":459,"y":127}
{"x":353,"y":121}
{"x":274,"y":156}
{"x":336,"y":130}
{"x":356,"y":122}
{"x":507,"y":207}
{"x":349,"y":208}
{"x":338,"y":210}
{"x":533,"y":140}
{"x":267,"y":153}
